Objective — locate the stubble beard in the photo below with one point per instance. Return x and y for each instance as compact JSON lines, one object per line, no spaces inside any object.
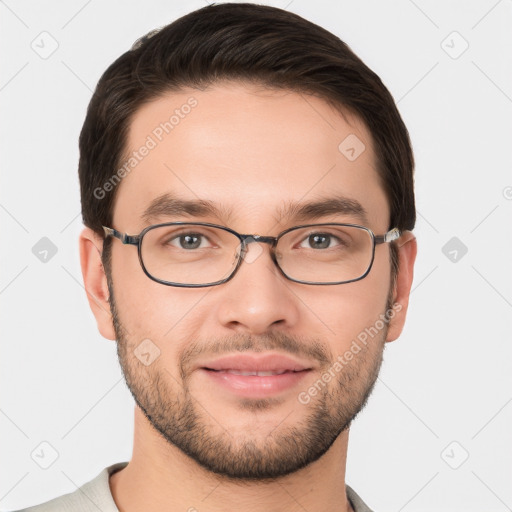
{"x":183,"y":421}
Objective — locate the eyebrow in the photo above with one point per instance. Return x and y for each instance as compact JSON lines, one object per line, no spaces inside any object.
{"x":312,"y":210}
{"x":168,"y":205}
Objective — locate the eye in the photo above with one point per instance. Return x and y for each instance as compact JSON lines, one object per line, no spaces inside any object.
{"x":188,"y":241}
{"x":322,"y":241}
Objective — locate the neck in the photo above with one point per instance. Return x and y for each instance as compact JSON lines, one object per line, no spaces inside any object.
{"x":161,"y":477}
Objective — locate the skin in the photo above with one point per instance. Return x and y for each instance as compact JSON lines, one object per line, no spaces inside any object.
{"x":250,"y":149}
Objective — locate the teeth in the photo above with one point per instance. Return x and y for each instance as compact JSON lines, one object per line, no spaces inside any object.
{"x":258,"y":374}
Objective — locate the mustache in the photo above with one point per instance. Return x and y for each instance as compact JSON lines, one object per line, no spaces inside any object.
{"x":307,"y":348}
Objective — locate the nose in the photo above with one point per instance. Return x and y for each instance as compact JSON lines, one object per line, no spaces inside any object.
{"x":258,"y":297}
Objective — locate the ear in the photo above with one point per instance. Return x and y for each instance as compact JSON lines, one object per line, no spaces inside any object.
{"x":95,"y":281}
{"x":407,"y":249}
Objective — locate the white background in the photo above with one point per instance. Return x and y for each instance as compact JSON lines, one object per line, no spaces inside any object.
{"x":449,"y":376}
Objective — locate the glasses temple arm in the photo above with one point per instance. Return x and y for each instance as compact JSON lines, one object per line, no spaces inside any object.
{"x":125,"y":239}
{"x":391,"y":235}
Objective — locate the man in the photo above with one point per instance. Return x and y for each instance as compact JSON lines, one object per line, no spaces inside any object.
{"x":247,"y":191}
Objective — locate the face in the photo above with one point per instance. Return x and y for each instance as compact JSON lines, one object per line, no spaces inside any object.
{"x":250,"y":152}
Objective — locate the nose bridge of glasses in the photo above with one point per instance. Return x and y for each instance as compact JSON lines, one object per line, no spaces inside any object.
{"x":258,"y":250}
{"x":247,"y":239}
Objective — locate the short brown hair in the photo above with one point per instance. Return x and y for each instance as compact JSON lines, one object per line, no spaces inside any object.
{"x":248,"y":42}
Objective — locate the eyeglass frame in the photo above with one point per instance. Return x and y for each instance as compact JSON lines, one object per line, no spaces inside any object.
{"x":136,"y":240}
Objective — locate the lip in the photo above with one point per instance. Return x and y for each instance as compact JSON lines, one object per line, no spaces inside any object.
{"x":269,"y":362}
{"x":238,"y":373}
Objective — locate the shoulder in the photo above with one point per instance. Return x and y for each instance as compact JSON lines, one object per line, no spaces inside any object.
{"x":92,"y":496}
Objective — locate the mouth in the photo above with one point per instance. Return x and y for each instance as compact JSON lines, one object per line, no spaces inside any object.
{"x":255,"y":375}
{"x":254,"y":363}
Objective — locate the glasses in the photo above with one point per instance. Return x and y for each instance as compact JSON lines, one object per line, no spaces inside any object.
{"x":199,"y":254}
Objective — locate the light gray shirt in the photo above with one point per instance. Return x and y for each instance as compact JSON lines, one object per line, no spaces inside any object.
{"x":95,"y":495}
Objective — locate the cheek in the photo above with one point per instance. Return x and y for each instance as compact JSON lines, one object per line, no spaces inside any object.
{"x":148,"y":309}
{"x":154,"y":323}
{"x":346,"y":310}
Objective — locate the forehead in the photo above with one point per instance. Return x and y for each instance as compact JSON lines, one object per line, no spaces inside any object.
{"x":250,"y":151}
